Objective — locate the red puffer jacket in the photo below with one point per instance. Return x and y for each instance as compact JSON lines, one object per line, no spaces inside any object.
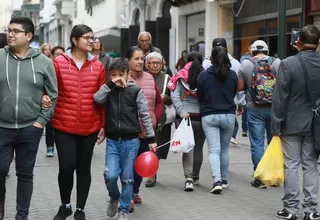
{"x":75,"y":111}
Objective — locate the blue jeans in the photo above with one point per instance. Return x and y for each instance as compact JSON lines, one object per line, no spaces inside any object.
{"x":259,"y":122}
{"x":244,"y":119}
{"x":218,"y":130}
{"x":25,"y":143}
{"x":120,"y":159}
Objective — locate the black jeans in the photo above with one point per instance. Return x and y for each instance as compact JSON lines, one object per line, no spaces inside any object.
{"x":25,"y":143}
{"x":75,"y":154}
{"x":144,"y":147}
{"x":49,"y":135}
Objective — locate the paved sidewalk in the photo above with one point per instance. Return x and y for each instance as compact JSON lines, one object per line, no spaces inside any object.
{"x":166,"y":201}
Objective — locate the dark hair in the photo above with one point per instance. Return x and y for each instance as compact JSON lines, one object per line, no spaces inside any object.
{"x":119,"y":63}
{"x":57,"y":48}
{"x":101,"y":44}
{"x":221,"y":62}
{"x":77,"y":31}
{"x":131,"y":51}
{"x":185,"y":51}
{"x":309,"y":35}
{"x":252,"y":42}
{"x":3,"y":40}
{"x":195,"y":68}
{"x":255,"y":53}
{"x":26,"y":23}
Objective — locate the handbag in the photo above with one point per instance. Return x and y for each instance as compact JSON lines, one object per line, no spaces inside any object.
{"x":315,"y":109}
{"x":169,"y":109}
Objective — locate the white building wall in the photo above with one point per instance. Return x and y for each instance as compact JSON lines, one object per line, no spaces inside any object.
{"x":180,"y":31}
{"x":6,"y":9}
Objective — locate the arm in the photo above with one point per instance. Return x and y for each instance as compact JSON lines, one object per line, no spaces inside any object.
{"x":102,"y":82}
{"x":241,"y":82}
{"x":159,"y":108}
{"x":145,"y":116}
{"x":176,"y":99}
{"x":280,"y":98}
{"x":100,"y":97}
{"x":51,"y":88}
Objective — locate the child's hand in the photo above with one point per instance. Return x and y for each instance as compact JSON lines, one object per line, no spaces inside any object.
{"x":153,"y":147}
{"x":120,"y":82}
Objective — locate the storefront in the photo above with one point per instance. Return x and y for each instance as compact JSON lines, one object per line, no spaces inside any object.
{"x":261,"y":22}
{"x":313,"y":12}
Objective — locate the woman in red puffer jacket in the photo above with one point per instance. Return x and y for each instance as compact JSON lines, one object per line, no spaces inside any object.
{"x":78,"y":121}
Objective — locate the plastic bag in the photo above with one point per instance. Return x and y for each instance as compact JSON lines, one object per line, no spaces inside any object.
{"x":271,"y":167}
{"x":183,"y":139}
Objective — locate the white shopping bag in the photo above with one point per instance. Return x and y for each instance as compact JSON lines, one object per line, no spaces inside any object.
{"x":183,"y":139}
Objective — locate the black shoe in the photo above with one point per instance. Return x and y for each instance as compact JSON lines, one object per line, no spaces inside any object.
{"x":258,"y":184}
{"x":217,"y":188}
{"x":244,"y":134}
{"x":311,"y":216}
{"x":188,"y":185}
{"x":151,"y":183}
{"x":196,"y":180}
{"x":284,"y":214}
{"x":225,"y":184}
{"x":79,"y":215}
{"x":63,"y":213}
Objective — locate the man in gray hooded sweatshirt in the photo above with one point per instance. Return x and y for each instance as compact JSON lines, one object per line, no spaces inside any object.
{"x":25,"y":75}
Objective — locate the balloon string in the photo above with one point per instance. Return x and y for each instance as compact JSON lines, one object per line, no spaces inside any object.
{"x":164,"y":144}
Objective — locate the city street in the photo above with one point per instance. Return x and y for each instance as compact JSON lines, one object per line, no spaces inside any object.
{"x":167,"y":200}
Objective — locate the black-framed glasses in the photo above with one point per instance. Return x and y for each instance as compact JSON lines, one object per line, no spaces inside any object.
{"x":155,"y":63}
{"x":14,"y":31}
{"x":88,"y":38}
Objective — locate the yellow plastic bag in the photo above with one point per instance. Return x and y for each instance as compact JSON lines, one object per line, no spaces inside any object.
{"x":271,"y":167}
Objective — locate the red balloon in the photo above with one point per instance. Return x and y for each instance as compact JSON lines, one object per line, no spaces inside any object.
{"x":147,"y":164}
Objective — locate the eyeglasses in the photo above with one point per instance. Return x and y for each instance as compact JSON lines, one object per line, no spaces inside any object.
{"x":88,"y":38}
{"x":155,"y":63}
{"x":14,"y":31}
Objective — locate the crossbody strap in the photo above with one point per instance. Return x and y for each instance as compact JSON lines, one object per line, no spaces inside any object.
{"x":307,"y":81}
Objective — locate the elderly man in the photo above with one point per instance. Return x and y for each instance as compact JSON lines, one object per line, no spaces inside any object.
{"x":145,"y":43}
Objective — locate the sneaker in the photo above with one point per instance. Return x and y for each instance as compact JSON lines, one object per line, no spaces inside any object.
{"x":50,"y":151}
{"x":244,"y":134}
{"x":311,"y":216}
{"x":258,"y":184}
{"x":217,"y":188}
{"x":63,"y":213}
{"x":284,"y":214}
{"x":225,"y":184}
{"x":196,"y":180}
{"x":233,"y":141}
{"x":79,"y":215}
{"x":112,"y":207}
{"x":188,"y":185}
{"x":137,"y":199}
{"x":122,"y":216}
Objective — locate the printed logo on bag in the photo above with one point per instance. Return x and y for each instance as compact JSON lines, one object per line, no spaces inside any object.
{"x":263,"y":81}
{"x":176,"y":143}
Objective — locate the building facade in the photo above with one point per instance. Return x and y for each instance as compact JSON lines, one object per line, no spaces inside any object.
{"x":312,"y":12}
{"x":105,"y":17}
{"x":6,"y":10}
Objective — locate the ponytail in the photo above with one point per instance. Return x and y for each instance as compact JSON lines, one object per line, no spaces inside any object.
{"x":221,"y":62}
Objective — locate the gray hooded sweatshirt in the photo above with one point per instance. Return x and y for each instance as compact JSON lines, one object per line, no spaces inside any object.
{"x":23,"y":82}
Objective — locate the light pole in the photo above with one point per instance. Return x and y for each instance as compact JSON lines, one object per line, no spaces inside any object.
{"x":282,"y":28}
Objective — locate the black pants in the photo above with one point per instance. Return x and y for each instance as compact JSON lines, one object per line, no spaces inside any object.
{"x":75,"y":154}
{"x":144,"y":147}
{"x":49,"y":135}
{"x":25,"y":143}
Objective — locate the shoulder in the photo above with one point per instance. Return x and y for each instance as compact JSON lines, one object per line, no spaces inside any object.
{"x":156,"y":49}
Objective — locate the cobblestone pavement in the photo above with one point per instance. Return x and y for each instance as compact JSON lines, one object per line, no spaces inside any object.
{"x":166,"y":201}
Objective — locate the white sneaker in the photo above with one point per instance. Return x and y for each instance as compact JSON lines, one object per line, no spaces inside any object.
{"x":233,"y":141}
{"x":188,"y":185}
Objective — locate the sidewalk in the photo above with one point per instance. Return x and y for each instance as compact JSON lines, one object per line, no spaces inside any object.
{"x":166,"y":201}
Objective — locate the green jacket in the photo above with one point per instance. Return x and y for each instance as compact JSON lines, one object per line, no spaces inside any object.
{"x":23,"y":82}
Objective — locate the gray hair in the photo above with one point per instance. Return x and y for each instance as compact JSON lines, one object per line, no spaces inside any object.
{"x":144,"y":32}
{"x":154,"y":55}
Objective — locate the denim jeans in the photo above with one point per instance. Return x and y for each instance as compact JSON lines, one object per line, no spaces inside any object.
{"x":259,"y":123}
{"x":236,"y":128}
{"x":244,"y":119}
{"x":218,"y":130}
{"x":120,"y":159}
{"x":25,"y":143}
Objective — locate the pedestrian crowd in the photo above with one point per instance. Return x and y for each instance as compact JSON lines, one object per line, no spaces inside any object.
{"x":81,"y":97}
